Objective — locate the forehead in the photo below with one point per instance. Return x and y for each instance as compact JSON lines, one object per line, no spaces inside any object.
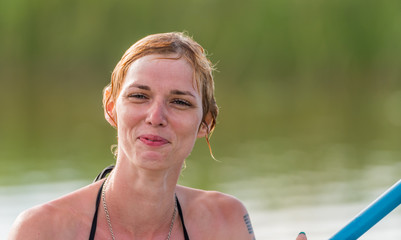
{"x":166,"y":70}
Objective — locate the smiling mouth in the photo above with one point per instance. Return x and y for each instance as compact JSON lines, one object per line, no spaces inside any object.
{"x":153,"y":140}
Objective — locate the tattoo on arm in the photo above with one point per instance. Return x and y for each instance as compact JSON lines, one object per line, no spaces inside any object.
{"x":248,"y":223}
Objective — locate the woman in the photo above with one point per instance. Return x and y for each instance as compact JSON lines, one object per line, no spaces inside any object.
{"x":160,"y":100}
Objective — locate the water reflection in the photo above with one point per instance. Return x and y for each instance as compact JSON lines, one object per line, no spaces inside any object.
{"x":281,"y":205}
{"x":285,"y":204}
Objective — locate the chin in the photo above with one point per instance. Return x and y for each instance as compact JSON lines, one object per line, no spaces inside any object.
{"x":152,"y":156}
{"x":152,"y":159}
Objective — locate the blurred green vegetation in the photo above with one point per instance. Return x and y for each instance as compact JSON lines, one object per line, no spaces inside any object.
{"x":301,"y":84}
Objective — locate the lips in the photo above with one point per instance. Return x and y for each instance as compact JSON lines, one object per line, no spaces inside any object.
{"x":153,"y":140}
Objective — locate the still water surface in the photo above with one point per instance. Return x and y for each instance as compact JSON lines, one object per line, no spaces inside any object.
{"x":280,"y":205}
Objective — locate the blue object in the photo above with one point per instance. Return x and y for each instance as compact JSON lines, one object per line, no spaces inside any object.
{"x":371,"y":215}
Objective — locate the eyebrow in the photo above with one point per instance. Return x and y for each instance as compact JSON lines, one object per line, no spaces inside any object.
{"x":174,"y":92}
{"x":140,"y":86}
{"x":179,"y":92}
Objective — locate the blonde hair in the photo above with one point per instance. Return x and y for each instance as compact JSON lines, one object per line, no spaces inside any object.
{"x":166,"y":44}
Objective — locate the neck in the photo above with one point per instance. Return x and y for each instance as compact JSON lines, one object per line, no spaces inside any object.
{"x":141,"y":202}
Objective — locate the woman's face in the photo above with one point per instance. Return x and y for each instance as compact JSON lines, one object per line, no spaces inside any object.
{"x":158,"y":111}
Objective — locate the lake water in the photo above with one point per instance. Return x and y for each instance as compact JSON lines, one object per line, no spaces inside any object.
{"x":316,"y":202}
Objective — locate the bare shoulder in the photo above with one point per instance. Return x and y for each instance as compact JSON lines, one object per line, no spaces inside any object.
{"x":30,"y":223}
{"x":46,"y":221}
{"x":220,"y":215}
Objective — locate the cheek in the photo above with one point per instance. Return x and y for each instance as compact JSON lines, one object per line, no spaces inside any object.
{"x":126,"y":117}
{"x":190,"y":127}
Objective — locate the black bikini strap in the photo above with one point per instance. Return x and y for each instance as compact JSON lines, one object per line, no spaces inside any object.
{"x":94,"y":221}
{"x":182,"y":219}
{"x":104,"y":173}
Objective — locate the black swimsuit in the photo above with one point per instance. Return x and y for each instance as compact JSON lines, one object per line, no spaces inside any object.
{"x":94,"y":221}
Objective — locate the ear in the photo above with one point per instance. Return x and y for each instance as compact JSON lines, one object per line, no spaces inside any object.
{"x":204,"y":128}
{"x":109,"y":111}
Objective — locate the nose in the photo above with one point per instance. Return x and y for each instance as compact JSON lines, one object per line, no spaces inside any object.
{"x":156,"y":115}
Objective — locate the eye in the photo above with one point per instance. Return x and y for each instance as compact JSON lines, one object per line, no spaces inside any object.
{"x":181,"y":102}
{"x":138,"y":96}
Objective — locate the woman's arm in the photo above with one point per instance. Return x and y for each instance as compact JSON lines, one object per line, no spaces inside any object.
{"x":233,"y":219}
{"x":236,"y":220}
